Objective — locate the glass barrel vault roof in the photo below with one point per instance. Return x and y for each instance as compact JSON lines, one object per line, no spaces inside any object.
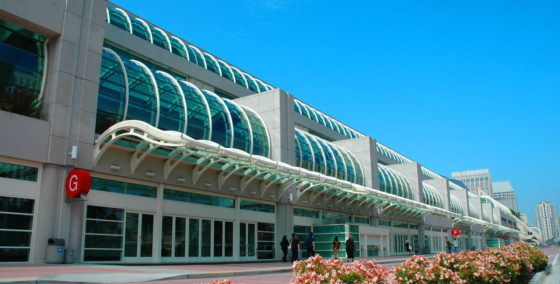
{"x":129,"y":90}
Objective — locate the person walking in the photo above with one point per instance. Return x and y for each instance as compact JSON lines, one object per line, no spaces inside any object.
{"x":310,"y":245}
{"x":408,"y":248}
{"x":295,"y":247}
{"x":449,"y":246}
{"x":284,"y":245}
{"x":336,"y":247}
{"x":350,"y":248}
{"x":455,"y":245}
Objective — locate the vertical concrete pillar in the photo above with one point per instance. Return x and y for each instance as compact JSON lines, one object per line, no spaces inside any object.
{"x":284,"y":225}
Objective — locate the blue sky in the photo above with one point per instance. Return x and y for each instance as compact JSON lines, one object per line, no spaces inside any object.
{"x":454,"y":85}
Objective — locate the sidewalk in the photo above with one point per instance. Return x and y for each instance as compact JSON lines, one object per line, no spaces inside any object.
{"x":98,"y":273}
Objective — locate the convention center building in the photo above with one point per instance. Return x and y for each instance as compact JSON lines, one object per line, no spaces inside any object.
{"x":123,"y":143}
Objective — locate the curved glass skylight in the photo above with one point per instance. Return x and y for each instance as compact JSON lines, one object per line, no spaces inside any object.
{"x":129,"y":90}
{"x":156,"y":36}
{"x":393,"y":182}
{"x":431,"y":195}
{"x":316,"y":154}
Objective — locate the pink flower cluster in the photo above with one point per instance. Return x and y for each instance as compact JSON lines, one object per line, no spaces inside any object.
{"x":510,"y":264}
{"x":319,"y":270}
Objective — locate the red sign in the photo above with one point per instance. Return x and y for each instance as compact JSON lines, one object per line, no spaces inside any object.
{"x":455,"y":232}
{"x":506,"y":238}
{"x":77,"y":182}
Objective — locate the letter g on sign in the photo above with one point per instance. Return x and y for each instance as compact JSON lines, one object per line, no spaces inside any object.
{"x":77,"y":182}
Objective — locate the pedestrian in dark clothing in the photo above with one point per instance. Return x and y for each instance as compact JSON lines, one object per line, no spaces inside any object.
{"x":408,"y":248}
{"x":310,"y":245}
{"x":284,"y":245}
{"x":295,"y":247}
{"x":448,"y":247}
{"x":350,"y":248}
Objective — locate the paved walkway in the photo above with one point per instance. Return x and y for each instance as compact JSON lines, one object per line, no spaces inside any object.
{"x":97,"y":273}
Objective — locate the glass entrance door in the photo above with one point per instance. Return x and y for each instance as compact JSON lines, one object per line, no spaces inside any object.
{"x":138,"y":241}
{"x":247,"y":240}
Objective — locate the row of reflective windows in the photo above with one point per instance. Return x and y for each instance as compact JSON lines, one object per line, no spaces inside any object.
{"x":129,"y":90}
{"x":325,"y":120}
{"x":156,"y":36}
{"x":121,"y":187}
{"x":21,"y":66}
{"x":316,"y":154}
{"x":113,"y":234}
{"x":393,"y":182}
{"x":391,"y":154}
{"x":16,"y":223}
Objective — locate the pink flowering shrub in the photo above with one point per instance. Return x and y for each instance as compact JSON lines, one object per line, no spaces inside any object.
{"x":511,"y":264}
{"x":319,"y":270}
{"x":419,"y":269}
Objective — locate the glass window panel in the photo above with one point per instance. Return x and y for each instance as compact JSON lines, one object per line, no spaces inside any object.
{"x":206,"y":238}
{"x":96,"y":212}
{"x":241,"y":132}
{"x":228,"y":239}
{"x":14,"y":254}
{"x":239,"y":78}
{"x":147,"y":235}
{"x":15,"y":222}
{"x":171,"y":106}
{"x":123,"y":187}
{"x":198,"y":124}
{"x":131,"y":235}
{"x":221,"y":128}
{"x":166,"y":236}
{"x":177,"y":47}
{"x":251,"y":249}
{"x":340,"y":167}
{"x":358,"y":169}
{"x":330,"y":159}
{"x":139,"y":29}
{"x":198,"y":55}
{"x":102,"y":255}
{"x":21,"y":64}
{"x":255,"y":206}
{"x":306,"y":213}
{"x":104,"y":227}
{"x":349,"y":166}
{"x":218,"y":238}
{"x":15,"y":239}
{"x":159,"y":38}
{"x":226,"y":71}
{"x":111,"y":95}
{"x":262,"y":88}
{"x":211,"y":64}
{"x":252,"y":85}
{"x":118,"y":19}
{"x":260,"y":136}
{"x":197,"y":198}
{"x":317,"y":154}
{"x":306,"y":155}
{"x":194,"y":232}
{"x":98,"y":241}
{"x":242,"y":239}
{"x":142,"y":103}
{"x":298,"y":153}
{"x":16,"y":205}
{"x":180,"y":233}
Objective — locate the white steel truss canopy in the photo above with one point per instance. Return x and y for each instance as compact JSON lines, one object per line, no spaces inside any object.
{"x":177,"y":148}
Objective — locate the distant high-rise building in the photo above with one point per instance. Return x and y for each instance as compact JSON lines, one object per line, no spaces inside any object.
{"x":547,"y":220}
{"x":479,"y":182}
{"x":503,"y":192}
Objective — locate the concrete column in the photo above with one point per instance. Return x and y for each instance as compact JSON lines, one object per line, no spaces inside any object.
{"x":284,"y":225}
{"x":156,"y":247}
